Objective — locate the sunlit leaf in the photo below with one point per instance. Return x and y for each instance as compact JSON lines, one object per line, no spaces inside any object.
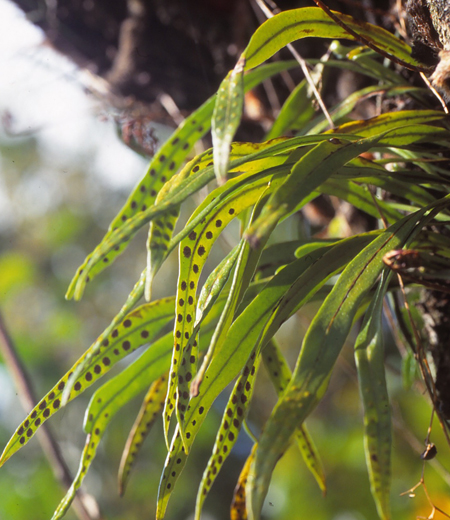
{"x":138,"y":328}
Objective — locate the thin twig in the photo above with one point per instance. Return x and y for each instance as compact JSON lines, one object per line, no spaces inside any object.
{"x":301,"y":62}
{"x":85,"y":506}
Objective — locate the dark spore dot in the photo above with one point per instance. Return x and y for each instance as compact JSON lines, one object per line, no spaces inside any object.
{"x":26,"y":423}
{"x":183,"y":286}
{"x":186,"y":335}
{"x":173,"y":473}
{"x":188,"y":377}
{"x":46,"y":413}
{"x":235,"y":423}
{"x":177,"y":348}
{"x":192,"y":284}
{"x":163,"y":179}
{"x":201,"y":410}
{"x":178,"y":334}
{"x":33,"y":415}
{"x":209,"y":235}
{"x":175,"y":141}
{"x":180,"y":380}
{"x":243,"y":398}
{"x":210,"y":164}
{"x":253,"y":371}
{"x":42,"y":405}
{"x":124,"y":217}
{"x":127,"y":323}
{"x":22,"y":440}
{"x":97,"y":431}
{"x":192,"y":359}
{"x":61,"y":385}
{"x":246,"y":371}
{"x":231,"y":436}
{"x":51,"y":395}
{"x":144,"y":334}
{"x":192,"y":235}
{"x":234,"y":399}
{"x":126,"y":345}
{"x":229,"y":412}
{"x":185,"y":146}
{"x":169,"y":486}
{"x":152,"y":172}
{"x":188,"y":435}
{"x":225,"y":448}
{"x":115,"y":333}
{"x":185,"y":395}
{"x":189,"y":318}
{"x":180,"y":318}
{"x":116,"y":351}
{"x":88,"y":376}
{"x":38,"y":422}
{"x":144,"y":207}
{"x":247,"y":386}
{"x":201,"y":251}
{"x":162,"y":158}
{"x":195,"y":168}
{"x":56,"y":404}
{"x":153,"y":193}
{"x":20,"y":431}
{"x":178,"y":461}
{"x":214,"y":470}
{"x":190,"y":300}
{"x":181,"y":302}
{"x":172,"y":165}
{"x":133,"y":204}
{"x":77,"y":386}
{"x":106,"y":361}
{"x":239,"y":411}
{"x":204,"y":491}
{"x":225,"y":425}
{"x":142,"y":189}
{"x":220,"y":459}
{"x":218,"y":223}
{"x":231,"y":211}
{"x":170,"y":226}
{"x":195,"y":343}
{"x":187,"y":252}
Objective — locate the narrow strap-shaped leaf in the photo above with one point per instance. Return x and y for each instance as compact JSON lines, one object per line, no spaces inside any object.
{"x":280,"y":374}
{"x":164,"y":164}
{"x":309,"y":273}
{"x":307,"y":174}
{"x":238,"y":509}
{"x":292,"y":25}
{"x":138,"y":328}
{"x":321,"y":346}
{"x":116,"y":393}
{"x":193,"y":252}
{"x":108,"y":400}
{"x":391,"y":121}
{"x":227,"y":434}
{"x":226,"y":118}
{"x":369,"y":355}
{"x":246,"y":265}
{"x":150,"y":409}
